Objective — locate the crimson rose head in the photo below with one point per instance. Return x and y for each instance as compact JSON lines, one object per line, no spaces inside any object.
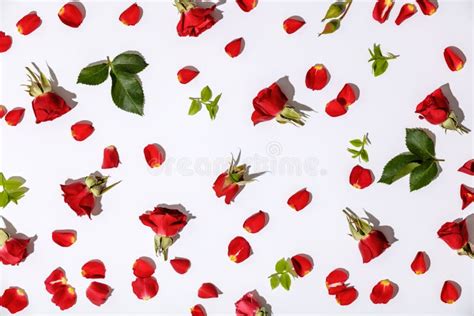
{"x":164,"y":221}
{"x":194,"y":20}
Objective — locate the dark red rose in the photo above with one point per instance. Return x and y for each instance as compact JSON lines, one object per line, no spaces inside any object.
{"x":195,"y":21}
{"x":49,"y":106}
{"x":79,"y":198}
{"x":373,"y":245}
{"x":12,"y":250}
{"x":249,"y":305}
{"x":455,"y":234}
{"x":165,"y":221}
{"x":268,"y":104}
{"x":434,"y":108}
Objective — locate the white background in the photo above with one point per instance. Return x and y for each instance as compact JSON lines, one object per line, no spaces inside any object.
{"x":46,"y":155}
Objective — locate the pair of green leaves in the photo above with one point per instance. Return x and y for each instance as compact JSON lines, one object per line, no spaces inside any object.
{"x":420,"y":162}
{"x":13,"y":190}
{"x":335,"y":13}
{"x":205,"y":99}
{"x":127,"y":91}
{"x":282,"y":276}
{"x":379,"y":61}
{"x":359,"y":151}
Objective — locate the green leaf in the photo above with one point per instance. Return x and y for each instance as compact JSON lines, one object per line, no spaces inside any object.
{"x":206,"y":94}
{"x":4,"y":199}
{"x":195,"y":107}
{"x":419,"y":143}
{"x":285,"y":281}
{"x":356,"y":143}
{"x":354,"y":152}
{"x":398,"y":167}
{"x":331,"y":27}
{"x":274,"y":281}
{"x":377,"y":51}
{"x":379,"y":67}
{"x":364,"y":155}
{"x":127,"y":92}
{"x":13,"y":183}
{"x":423,"y":175}
{"x":334,"y":10}
{"x":213,"y":107}
{"x":94,"y":75}
{"x":129,"y":62}
{"x":280,"y":266}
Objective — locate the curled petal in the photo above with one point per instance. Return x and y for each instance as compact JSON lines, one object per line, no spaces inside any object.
{"x":468,"y":168}
{"x":360,"y":178}
{"x":467,"y":195}
{"x":346,"y":296}
{"x":15,"y":116}
{"x":382,"y":292}
{"x":64,"y":297}
{"x":239,"y":249}
{"x":235,"y":47}
{"x":81,"y":130}
{"x":419,"y":264}
{"x":450,"y":292}
{"x":180,"y":265}
{"x":93,"y":269}
{"x":111,"y":157}
{"x":14,"y":299}
{"x":55,"y":280}
{"x":347,"y":96}
{"x":28,"y":23}
{"x":71,"y":15}
{"x":382,"y":10}
{"x":406,"y":11}
{"x":187,"y":74}
{"x":154,"y":155}
{"x":428,"y":7}
{"x":302,"y":264}
{"x":317,"y":77}
{"x":247,"y":5}
{"x":293,"y":24}
{"x":98,"y":293}
{"x":131,"y":15}
{"x":143,"y":267}
{"x":145,"y":288}
{"x":299,"y":200}
{"x":5,"y":44}
{"x":208,"y":290}
{"x":454,"y":58}
{"x":256,"y":222}
{"x":64,"y":238}
{"x":198,"y":310}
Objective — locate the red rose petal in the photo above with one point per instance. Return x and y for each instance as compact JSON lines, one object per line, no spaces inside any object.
{"x":3,"y":109}
{"x":64,"y":297}
{"x":239,"y":249}
{"x":335,"y":109}
{"x":450,"y":292}
{"x":15,"y":116}
{"x":335,"y":281}
{"x":28,"y":23}
{"x":360,"y":178}
{"x":235,"y":48}
{"x":93,"y":269}
{"x":406,"y":11}
{"x":302,"y":264}
{"x":5,"y":42}
{"x":419,"y":264}
{"x":454,"y":58}
{"x":382,"y":10}
{"x":180,"y":265}
{"x":427,"y":7}
{"x":346,"y":296}
{"x":247,"y":5}
{"x":98,"y":293}
{"x":14,"y":299}
{"x":111,"y":158}
{"x":299,"y":200}
{"x":64,"y":238}
{"x":208,"y":290}
{"x":132,"y":15}
{"x":467,"y":195}
{"x":55,"y":280}
{"x":187,"y":74}
{"x":81,"y":130}
{"x":154,"y":155}
{"x":317,"y":77}
{"x":145,"y":288}
{"x":468,"y":168}
{"x":382,"y":292}
{"x":71,"y":15}
{"x":143,"y":267}
{"x":347,"y":96}
{"x":293,"y":24}
{"x":198,"y":310}
{"x":256,"y":222}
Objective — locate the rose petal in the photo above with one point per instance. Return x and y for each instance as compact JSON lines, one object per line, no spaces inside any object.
{"x":55,"y":280}
{"x":450,"y":292}
{"x":143,"y":267}
{"x":467,"y":196}
{"x":98,"y":293}
{"x":335,"y":281}
{"x":382,"y":10}
{"x":256,"y":222}
{"x":111,"y":157}
{"x":198,"y":310}
{"x":347,"y":96}
{"x":132,"y":15}
{"x":64,"y":238}
{"x":468,"y":168}
{"x":28,"y":23}
{"x":299,"y":200}
{"x":239,"y":249}
{"x":427,"y":7}
{"x":293,"y":24}
{"x":235,"y":47}
{"x":64,"y":297}
{"x":317,"y":77}
{"x":154,"y":155}
{"x":247,"y":5}
{"x":81,"y":130}
{"x":453,"y":58}
{"x":15,"y":116}
{"x":346,"y":296}
{"x":5,"y":44}
{"x":71,"y":15}
{"x":302,"y":264}
{"x":145,"y":288}
{"x":208,"y":290}
{"x":360,"y":178}
{"x":187,"y":74}
{"x":93,"y":269}
{"x":419,"y":264}
{"x":406,"y":11}
{"x":335,"y":109}
{"x":382,"y":292}
{"x":180,"y":265}
{"x":14,"y":299}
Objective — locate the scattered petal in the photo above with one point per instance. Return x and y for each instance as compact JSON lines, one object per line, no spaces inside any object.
{"x":382,"y":10}
{"x":302,"y":264}
{"x":81,"y":130}
{"x":98,"y":293}
{"x":3,"y":111}
{"x":55,"y":280}
{"x":64,"y":238}
{"x":360,"y":178}
{"x":64,"y":297}
{"x":71,"y":15}
{"x":154,"y":155}
{"x":111,"y":157}
{"x":382,"y":292}
{"x":28,"y":23}
{"x":15,"y":116}
{"x":234,"y":48}
{"x":93,"y":269}
{"x":335,"y":109}
{"x":14,"y":299}
{"x":132,"y":15}
{"x":335,"y":281}
{"x":428,"y":7}
{"x":406,"y":11}
{"x":468,"y":168}
{"x":467,"y":195}
{"x":317,"y":77}
{"x":256,"y":222}
{"x":239,"y":249}
{"x":5,"y":42}
{"x":299,"y":200}
{"x":143,"y":267}
{"x":145,"y":288}
{"x":346,"y":296}
{"x":419,"y":264}
{"x":187,"y":74}
{"x":208,"y":290}
{"x":247,"y":5}
{"x":180,"y":265}
{"x":293,"y":24}
{"x":454,"y":58}
{"x":198,"y":310}
{"x":450,"y":292}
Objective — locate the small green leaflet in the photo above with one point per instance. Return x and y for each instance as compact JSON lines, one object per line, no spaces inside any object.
{"x":359,"y":151}
{"x":212,"y":106}
{"x":127,"y":92}
{"x":379,"y":61}
{"x":13,"y":190}
{"x":420,"y":162}
{"x":282,"y":276}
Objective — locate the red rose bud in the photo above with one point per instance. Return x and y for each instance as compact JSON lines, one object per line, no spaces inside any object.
{"x":360,"y":178}
{"x":467,"y":196}
{"x":64,"y":297}
{"x":382,"y":292}
{"x":79,"y":198}
{"x":239,"y":249}
{"x":15,"y":116}
{"x":293,"y":24}
{"x":249,"y":305}
{"x":111,"y":158}
{"x":12,"y":250}
{"x":346,"y":296}
{"x":71,"y":15}
{"x":198,"y":310}
{"x":256,"y":222}
{"x":299,"y":200}
{"x":208,"y":290}
{"x":247,"y":5}
{"x":64,"y":238}
{"x":3,"y":111}
{"x":28,"y":23}
{"x":153,"y":155}
{"x":450,"y":292}
{"x":427,"y":6}
{"x":145,"y":288}
{"x":453,"y":58}
{"x":406,"y":11}
{"x":131,"y":15}
{"x":180,"y":265}
{"x":454,"y":234}
{"x":302,"y":264}
{"x":382,"y":10}
{"x":345,"y":98}
{"x":317,"y":77}
{"x":98,"y":293}
{"x":14,"y":299}
{"x":93,"y":269}
{"x":419,"y":264}
{"x":143,"y":267}
{"x":186,"y":74}
{"x":468,"y":168}
{"x":81,"y":130}
{"x":234,"y":48}
{"x":270,"y":103}
{"x":230,"y":182}
{"x":5,"y":42}
{"x":194,"y":20}
{"x":55,"y":280}
{"x":335,"y":281}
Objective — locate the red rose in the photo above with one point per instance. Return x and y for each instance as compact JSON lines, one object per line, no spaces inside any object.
{"x":249,"y":305}
{"x":455,"y":234}
{"x":373,"y":245}
{"x":229,"y":183}
{"x":164,"y":221}
{"x":434,"y":108}
{"x":12,"y":250}
{"x":194,"y":20}
{"x":79,"y":198}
